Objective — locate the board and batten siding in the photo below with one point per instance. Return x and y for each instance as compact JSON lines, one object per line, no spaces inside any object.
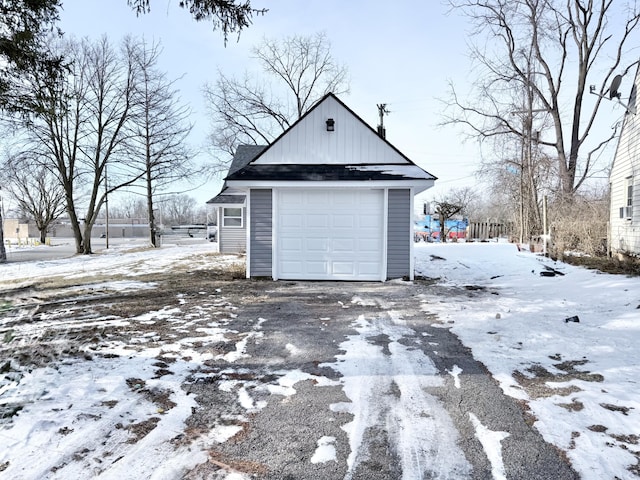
{"x":399,"y":233}
{"x":351,"y":143}
{"x":261,"y":206}
{"x":625,"y":232}
{"x":233,"y":239}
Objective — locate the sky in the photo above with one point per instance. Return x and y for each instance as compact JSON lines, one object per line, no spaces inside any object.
{"x":578,"y":378}
{"x":403,"y":56}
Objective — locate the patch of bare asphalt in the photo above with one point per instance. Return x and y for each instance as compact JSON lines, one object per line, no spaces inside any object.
{"x":301,"y":326}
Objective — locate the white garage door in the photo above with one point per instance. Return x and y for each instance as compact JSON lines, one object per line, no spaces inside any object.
{"x":330,"y":234}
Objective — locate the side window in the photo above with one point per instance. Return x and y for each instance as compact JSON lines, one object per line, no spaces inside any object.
{"x":232,"y":217}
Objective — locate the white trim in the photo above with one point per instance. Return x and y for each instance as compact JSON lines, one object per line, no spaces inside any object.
{"x":218,"y":239}
{"x":417,"y":185}
{"x":227,"y":205}
{"x":241,"y":216}
{"x":247,"y":257}
{"x":385,"y":233}
{"x":411,"y":242}
{"x":275,"y":193}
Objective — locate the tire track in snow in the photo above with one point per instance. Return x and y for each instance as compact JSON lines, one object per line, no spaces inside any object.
{"x":386,"y":382}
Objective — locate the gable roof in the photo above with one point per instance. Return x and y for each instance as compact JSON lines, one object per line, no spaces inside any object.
{"x":244,"y":154}
{"x":303,"y":152}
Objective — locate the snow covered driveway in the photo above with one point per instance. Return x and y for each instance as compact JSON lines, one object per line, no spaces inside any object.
{"x":156,"y":364}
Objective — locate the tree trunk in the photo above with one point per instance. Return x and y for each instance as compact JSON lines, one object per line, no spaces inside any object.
{"x":86,"y":244}
{"x":152,"y":218}
{"x":43,"y":235}
{"x":3,"y":251}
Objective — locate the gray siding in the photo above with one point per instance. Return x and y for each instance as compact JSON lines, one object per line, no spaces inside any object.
{"x":399,"y":233}
{"x":261,"y":233}
{"x":233,"y":240}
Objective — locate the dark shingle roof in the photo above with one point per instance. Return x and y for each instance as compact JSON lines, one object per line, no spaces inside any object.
{"x":226,"y":199}
{"x":244,"y":155}
{"x":321,"y":172}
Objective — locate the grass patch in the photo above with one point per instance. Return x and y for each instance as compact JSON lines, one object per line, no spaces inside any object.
{"x":5,"y":305}
{"x":605,"y":264}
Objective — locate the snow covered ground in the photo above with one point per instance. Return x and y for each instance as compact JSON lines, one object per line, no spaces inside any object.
{"x":579,"y":379}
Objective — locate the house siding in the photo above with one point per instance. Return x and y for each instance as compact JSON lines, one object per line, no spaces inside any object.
{"x":625,"y":232}
{"x":233,"y":239}
{"x":352,"y":142}
{"x":261,"y":206}
{"x":398,"y":233}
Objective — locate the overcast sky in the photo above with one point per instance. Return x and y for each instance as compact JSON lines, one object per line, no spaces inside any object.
{"x":400,"y":53}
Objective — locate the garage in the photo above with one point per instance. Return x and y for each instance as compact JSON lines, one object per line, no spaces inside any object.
{"x":329,"y":234}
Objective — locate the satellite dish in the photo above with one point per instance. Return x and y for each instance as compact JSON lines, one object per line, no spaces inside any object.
{"x":615,"y":85}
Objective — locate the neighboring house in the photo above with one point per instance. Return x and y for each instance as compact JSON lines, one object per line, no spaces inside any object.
{"x":624,"y":222}
{"x":328,"y":200}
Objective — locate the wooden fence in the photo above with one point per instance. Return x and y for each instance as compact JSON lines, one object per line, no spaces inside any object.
{"x":488,"y":230}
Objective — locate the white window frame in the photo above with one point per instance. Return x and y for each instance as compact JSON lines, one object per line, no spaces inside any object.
{"x":628,"y":210}
{"x":226,"y":217}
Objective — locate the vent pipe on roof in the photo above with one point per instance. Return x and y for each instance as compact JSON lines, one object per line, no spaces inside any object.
{"x":382,"y":111}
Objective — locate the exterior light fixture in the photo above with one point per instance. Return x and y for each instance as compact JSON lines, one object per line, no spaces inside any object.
{"x":331,"y":125}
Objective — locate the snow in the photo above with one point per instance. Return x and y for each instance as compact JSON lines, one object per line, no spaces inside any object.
{"x":326,"y":451}
{"x":400,"y":170}
{"x":522,"y":325}
{"x":422,"y":440}
{"x":491,"y":444}
{"x":513,"y":320}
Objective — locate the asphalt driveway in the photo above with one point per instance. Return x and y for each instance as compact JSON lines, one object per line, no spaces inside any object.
{"x":314,"y":380}
{"x":384,"y":384}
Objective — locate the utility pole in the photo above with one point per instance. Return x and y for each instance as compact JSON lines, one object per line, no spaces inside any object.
{"x":382,"y":111}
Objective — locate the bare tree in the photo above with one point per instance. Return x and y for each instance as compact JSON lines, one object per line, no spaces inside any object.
{"x":159,"y":128}
{"x":300,"y":69}
{"x":446,"y":211}
{"x":457,"y":201}
{"x":36,"y":190}
{"x":129,"y":206}
{"x":553,"y":50}
{"x":179,"y":209}
{"x":82,"y":129}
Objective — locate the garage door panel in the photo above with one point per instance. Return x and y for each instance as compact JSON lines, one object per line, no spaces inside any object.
{"x":291,"y":197}
{"x":293,"y":221}
{"x":318,"y":245}
{"x":370,"y":245}
{"x":369,"y":221}
{"x":291,"y":245}
{"x":368,"y":268}
{"x":343,"y":221}
{"x":342,"y":245}
{"x":330,"y":234}
{"x":343,"y":268}
{"x":343,"y":197}
{"x":317,"y":220}
{"x":290,"y":268}
{"x":317,"y":197}
{"x":317,"y":268}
